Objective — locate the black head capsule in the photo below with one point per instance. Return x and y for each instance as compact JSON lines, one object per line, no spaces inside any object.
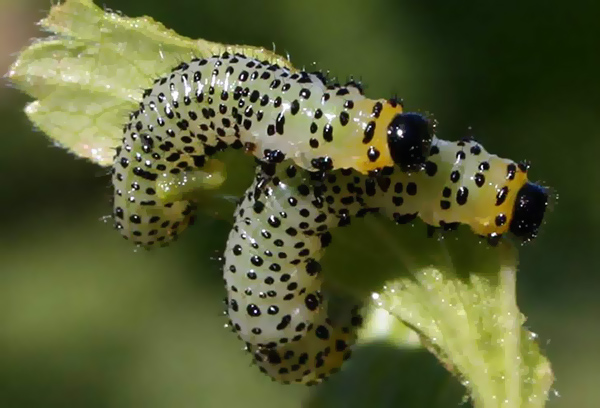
{"x":529,"y":210}
{"x":409,"y":140}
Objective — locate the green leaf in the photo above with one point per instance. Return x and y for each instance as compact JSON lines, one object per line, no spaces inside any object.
{"x":457,"y":295}
{"x":89,"y":76}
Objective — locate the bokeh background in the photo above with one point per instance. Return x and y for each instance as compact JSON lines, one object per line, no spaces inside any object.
{"x":86,"y":321}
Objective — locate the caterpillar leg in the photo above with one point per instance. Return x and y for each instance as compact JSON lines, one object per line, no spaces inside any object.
{"x":154,"y":208}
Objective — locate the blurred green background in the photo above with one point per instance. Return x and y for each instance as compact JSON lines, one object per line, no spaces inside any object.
{"x":86,"y":321}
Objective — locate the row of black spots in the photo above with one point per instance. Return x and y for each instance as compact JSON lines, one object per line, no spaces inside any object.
{"x":148,"y":230}
{"x":278,"y":220}
{"x":298,"y":363}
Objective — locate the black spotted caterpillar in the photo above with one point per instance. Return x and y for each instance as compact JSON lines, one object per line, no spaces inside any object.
{"x":331,"y":154}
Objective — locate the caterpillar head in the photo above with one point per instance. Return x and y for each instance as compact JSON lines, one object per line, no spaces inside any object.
{"x":529,"y":209}
{"x":409,"y":140}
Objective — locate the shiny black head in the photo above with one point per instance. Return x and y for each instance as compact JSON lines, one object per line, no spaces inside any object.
{"x":409,"y":139}
{"x":528,"y":214}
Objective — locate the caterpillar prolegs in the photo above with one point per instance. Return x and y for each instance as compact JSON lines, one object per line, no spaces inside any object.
{"x":283,"y":223}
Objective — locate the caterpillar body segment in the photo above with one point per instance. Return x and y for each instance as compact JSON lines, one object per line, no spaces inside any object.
{"x":461,"y":183}
{"x":274,"y":279}
{"x":207,"y":105}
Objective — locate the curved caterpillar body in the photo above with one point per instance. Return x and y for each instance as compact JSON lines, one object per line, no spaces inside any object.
{"x":206,"y":105}
{"x":274,"y":280}
{"x":284,"y":221}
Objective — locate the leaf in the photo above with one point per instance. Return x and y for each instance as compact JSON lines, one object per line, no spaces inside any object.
{"x":458,"y":294}
{"x":89,"y":76}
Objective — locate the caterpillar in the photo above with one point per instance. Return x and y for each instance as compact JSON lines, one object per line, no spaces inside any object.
{"x":207,"y":105}
{"x":284,"y":221}
{"x":274,"y":280}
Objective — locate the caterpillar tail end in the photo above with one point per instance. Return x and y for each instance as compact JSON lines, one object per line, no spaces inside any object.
{"x":155,"y":214}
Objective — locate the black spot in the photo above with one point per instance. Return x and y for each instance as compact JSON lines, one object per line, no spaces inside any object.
{"x":279,"y":123}
{"x":373,"y":154}
{"x":501,"y":195}
{"x":256,"y":260}
{"x":376,"y":109}
{"x":322,"y":332}
{"x":305,"y":93}
{"x":253,"y":310}
{"x":511,"y":171}
{"x":431,"y":168}
{"x":397,"y":200}
{"x":303,"y":189}
{"x":411,"y":188}
{"x":461,"y":195}
{"x":479,"y":180}
{"x":295,"y":107}
{"x":311,"y":302}
{"x":258,"y":207}
{"x":344,"y":118}
{"x":369,"y":132}
{"x":484,"y":166}
{"x":313,"y":267}
{"x":328,"y":133}
{"x":273,"y":357}
{"x":274,"y":221}
{"x":285,"y":321}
